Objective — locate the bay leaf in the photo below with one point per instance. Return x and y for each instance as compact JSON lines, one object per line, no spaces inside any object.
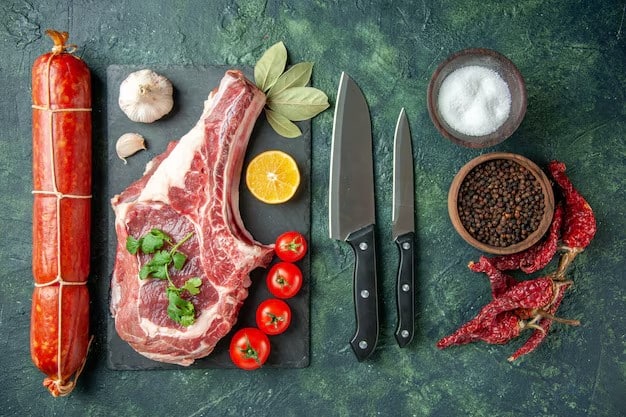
{"x":299,"y":103}
{"x":269,"y":67}
{"x":282,"y":125}
{"x":298,"y":75}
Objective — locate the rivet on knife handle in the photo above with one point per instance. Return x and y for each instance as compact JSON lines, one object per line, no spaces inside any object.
{"x":365,"y":292}
{"x":405,"y":292}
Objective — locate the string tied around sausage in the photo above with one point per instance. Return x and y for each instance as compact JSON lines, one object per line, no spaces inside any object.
{"x":59,"y":39}
{"x":47,"y":108}
{"x":55,"y":192}
{"x":60,"y":388}
{"x":60,"y":195}
{"x":59,"y":384}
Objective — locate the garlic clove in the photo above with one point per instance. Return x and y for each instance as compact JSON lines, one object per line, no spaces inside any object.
{"x":129,"y":144}
{"x":146,"y":96}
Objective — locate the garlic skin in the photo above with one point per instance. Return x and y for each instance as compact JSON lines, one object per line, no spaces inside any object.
{"x":129,"y":144}
{"x":146,"y":96}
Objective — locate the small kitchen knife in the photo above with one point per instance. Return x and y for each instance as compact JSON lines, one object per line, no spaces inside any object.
{"x":351,"y":206}
{"x":403,"y":229}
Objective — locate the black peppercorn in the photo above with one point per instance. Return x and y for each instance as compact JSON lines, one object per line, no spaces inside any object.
{"x":500,"y":203}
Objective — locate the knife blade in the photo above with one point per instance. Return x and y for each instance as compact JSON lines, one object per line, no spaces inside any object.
{"x":351,"y":207}
{"x":403,"y":229}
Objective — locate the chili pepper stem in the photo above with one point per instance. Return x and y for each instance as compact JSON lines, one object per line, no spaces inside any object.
{"x":565,"y":261}
{"x":564,"y":283}
{"x":557,"y":287}
{"x":542,"y":314}
{"x":532,"y":325}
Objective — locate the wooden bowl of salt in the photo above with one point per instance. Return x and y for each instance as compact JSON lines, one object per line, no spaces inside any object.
{"x":477,"y":98}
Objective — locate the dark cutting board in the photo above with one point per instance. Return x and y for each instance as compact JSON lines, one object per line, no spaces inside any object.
{"x":191,"y":88}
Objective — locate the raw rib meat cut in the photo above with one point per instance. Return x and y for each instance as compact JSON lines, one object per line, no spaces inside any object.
{"x":192,"y":187}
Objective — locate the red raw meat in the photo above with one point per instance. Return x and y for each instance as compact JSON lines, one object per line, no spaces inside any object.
{"x":192,"y":187}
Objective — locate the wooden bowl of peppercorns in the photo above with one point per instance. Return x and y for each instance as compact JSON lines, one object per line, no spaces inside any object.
{"x":501,"y":203}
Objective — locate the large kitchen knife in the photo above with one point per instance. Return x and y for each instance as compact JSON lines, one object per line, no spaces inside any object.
{"x":351,"y":206}
{"x":403,"y":229}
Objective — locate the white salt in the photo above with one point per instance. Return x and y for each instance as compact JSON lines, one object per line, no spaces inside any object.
{"x":474,"y":100}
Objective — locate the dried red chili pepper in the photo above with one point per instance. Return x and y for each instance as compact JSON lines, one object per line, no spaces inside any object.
{"x":499,"y":321}
{"x":507,"y":262}
{"x":541,"y":254}
{"x":530,"y":294}
{"x":505,"y":317}
{"x":500,"y":282}
{"x":504,"y":328}
{"x":537,"y":256}
{"x":579,"y":224}
{"x":544,"y":322}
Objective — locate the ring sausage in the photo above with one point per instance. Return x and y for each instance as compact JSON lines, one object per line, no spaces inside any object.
{"x":59,"y":333}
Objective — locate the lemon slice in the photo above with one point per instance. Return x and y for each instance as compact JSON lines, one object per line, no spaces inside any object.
{"x":273,"y":177}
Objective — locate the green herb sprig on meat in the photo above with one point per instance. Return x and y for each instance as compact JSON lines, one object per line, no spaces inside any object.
{"x":153,"y":243}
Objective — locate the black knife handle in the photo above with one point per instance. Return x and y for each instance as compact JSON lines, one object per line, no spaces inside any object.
{"x":365,"y":292}
{"x":405,"y":291}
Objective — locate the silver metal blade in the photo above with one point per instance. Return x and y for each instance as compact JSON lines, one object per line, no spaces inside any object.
{"x":351,"y":189}
{"x":403,"y":190}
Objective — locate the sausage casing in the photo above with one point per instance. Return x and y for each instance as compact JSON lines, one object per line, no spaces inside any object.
{"x":61,"y":123}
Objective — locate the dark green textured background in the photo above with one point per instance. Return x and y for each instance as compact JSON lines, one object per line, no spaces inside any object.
{"x":572,"y":55}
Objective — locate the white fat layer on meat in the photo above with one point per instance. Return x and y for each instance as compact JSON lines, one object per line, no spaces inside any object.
{"x":116,"y":290}
{"x":120,"y":209}
{"x":116,"y":296}
{"x":168,"y":358}
{"x":148,"y":166}
{"x":172,"y":170}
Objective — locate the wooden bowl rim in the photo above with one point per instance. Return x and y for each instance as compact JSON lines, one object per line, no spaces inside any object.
{"x":548,"y":195}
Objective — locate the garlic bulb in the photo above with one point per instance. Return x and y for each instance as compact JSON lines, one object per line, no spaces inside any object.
{"x":129,"y":144}
{"x":146,"y":96}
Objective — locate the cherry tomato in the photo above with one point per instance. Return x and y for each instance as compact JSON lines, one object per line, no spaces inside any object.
{"x":273,"y":316}
{"x":290,"y":246}
{"x":249,"y":348}
{"x":284,"y":280}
